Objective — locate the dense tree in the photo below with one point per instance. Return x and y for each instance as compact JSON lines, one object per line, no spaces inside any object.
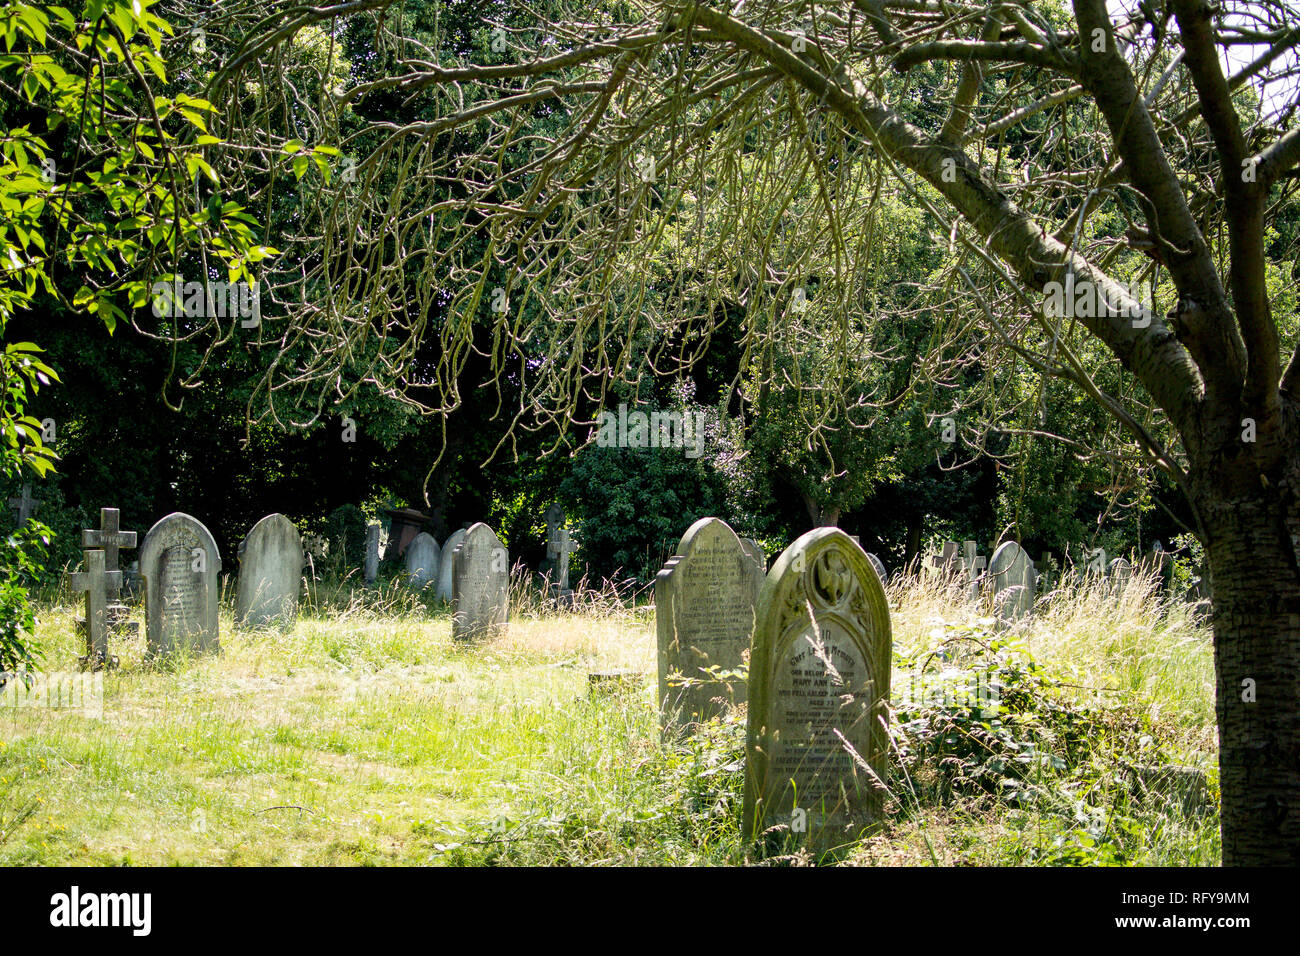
{"x":1192,"y":161}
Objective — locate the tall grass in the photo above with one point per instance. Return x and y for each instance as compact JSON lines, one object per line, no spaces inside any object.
{"x":364,"y":734}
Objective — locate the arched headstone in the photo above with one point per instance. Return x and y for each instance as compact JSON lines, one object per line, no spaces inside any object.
{"x":270,"y":574}
{"x":423,"y":558}
{"x":446,"y":581}
{"x":1014,"y":581}
{"x":1120,"y":572}
{"x":879,"y":567}
{"x":481,"y":582}
{"x":704,"y":615}
{"x":756,"y":553}
{"x":817,"y":750}
{"x":179,"y":562}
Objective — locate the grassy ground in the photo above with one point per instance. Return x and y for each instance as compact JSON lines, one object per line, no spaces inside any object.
{"x":365,"y":736}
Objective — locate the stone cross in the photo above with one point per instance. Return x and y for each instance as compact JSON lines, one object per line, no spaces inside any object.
{"x":25,"y":506}
{"x":97,"y":583}
{"x":110,"y":538}
{"x":946,"y":563}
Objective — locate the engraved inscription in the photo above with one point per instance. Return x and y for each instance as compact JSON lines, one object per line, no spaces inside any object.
{"x":182,"y":593}
{"x":821,"y":685}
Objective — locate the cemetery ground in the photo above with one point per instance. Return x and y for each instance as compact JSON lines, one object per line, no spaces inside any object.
{"x":365,"y":735}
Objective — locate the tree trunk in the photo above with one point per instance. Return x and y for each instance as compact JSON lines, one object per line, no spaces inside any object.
{"x":1256,"y":599}
{"x":820,"y":516}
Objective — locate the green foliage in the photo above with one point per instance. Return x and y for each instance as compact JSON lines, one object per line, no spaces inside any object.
{"x":985,"y":727}
{"x":96,"y":175}
{"x":345,"y":530}
{"x":21,"y":561}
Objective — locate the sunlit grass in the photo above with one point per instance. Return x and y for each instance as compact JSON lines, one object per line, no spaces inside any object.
{"x":365,"y":735}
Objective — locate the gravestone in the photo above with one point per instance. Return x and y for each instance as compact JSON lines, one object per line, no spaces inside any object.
{"x":704,"y":615}
{"x":973,"y":564}
{"x":372,"y":552}
{"x":423,"y":558}
{"x":1121,"y":571}
{"x":1014,"y":581}
{"x":817,"y":746}
{"x":879,"y":567}
{"x":179,"y":562}
{"x":447,"y":567}
{"x":481,"y":585}
{"x":1159,"y":565}
{"x":755,"y":552}
{"x":270,"y":574}
{"x":25,"y":505}
{"x":98,"y":583}
{"x":558,"y":550}
{"x":948,"y":563}
{"x":403,"y":526}
{"x":110,"y":538}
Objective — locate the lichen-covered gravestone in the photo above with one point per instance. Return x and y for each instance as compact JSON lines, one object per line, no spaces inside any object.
{"x":755,"y":551}
{"x":446,"y":580}
{"x":179,"y":563}
{"x":481,"y":605}
{"x":816,"y":746}
{"x":423,"y":556}
{"x":704,"y":614}
{"x":1014,"y":581}
{"x":270,"y":574}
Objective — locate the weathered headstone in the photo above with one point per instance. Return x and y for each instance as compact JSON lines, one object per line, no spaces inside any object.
{"x":372,"y":552}
{"x":179,"y":562}
{"x":973,"y":563}
{"x":948,"y":563}
{"x":481,"y":585}
{"x":879,"y":568}
{"x":270,"y":574}
{"x":704,"y":614}
{"x":1158,"y":564}
{"x":422,"y":560}
{"x":1014,"y":581}
{"x":403,"y":526}
{"x":558,"y":550}
{"x":1121,"y":571}
{"x":817,"y":747}
{"x":25,"y":505}
{"x":110,"y":538}
{"x":756,"y":552}
{"x":98,"y":583}
{"x":447,"y":567}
